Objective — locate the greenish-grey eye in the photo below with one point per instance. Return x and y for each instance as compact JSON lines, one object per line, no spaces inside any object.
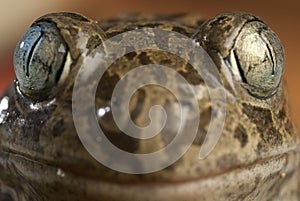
{"x":259,"y":56}
{"x":249,"y":46}
{"x":39,"y":60}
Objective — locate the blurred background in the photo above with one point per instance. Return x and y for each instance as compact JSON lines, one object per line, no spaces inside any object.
{"x":282,"y":16}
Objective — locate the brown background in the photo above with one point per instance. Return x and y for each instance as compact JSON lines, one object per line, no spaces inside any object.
{"x":282,"y":16}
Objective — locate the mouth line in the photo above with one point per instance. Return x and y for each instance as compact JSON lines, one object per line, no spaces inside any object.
{"x":257,"y":175}
{"x":127,"y":182}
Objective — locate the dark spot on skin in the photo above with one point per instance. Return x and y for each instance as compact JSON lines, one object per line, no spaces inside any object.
{"x":75,"y":17}
{"x":123,"y":141}
{"x":220,"y":20}
{"x":131,"y":55}
{"x":259,"y":148}
{"x":261,"y":117}
{"x":114,"y":33}
{"x":241,"y":134}
{"x":58,"y":128}
{"x":59,"y":154}
{"x":93,"y":42}
{"x":106,"y":86}
{"x":227,"y":28}
{"x":144,"y":59}
{"x":151,"y":25}
{"x":73,"y":31}
{"x":281,"y":114}
{"x":191,"y":75}
{"x":166,"y":62}
{"x":272,"y":137}
{"x":181,"y":30}
{"x":132,"y":26}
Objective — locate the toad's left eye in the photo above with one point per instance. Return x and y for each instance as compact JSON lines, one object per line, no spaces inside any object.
{"x":259,"y":56}
{"x":39,"y":60}
{"x":249,"y":46}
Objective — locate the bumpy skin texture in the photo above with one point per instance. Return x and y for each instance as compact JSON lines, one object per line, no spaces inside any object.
{"x":256,"y":158}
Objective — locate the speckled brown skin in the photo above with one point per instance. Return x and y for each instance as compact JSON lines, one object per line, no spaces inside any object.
{"x":256,"y":158}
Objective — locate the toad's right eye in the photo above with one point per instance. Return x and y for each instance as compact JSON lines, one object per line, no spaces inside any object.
{"x":39,"y":60}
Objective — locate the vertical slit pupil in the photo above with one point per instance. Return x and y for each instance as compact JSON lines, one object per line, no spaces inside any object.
{"x":239,"y":66}
{"x":30,"y":54}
